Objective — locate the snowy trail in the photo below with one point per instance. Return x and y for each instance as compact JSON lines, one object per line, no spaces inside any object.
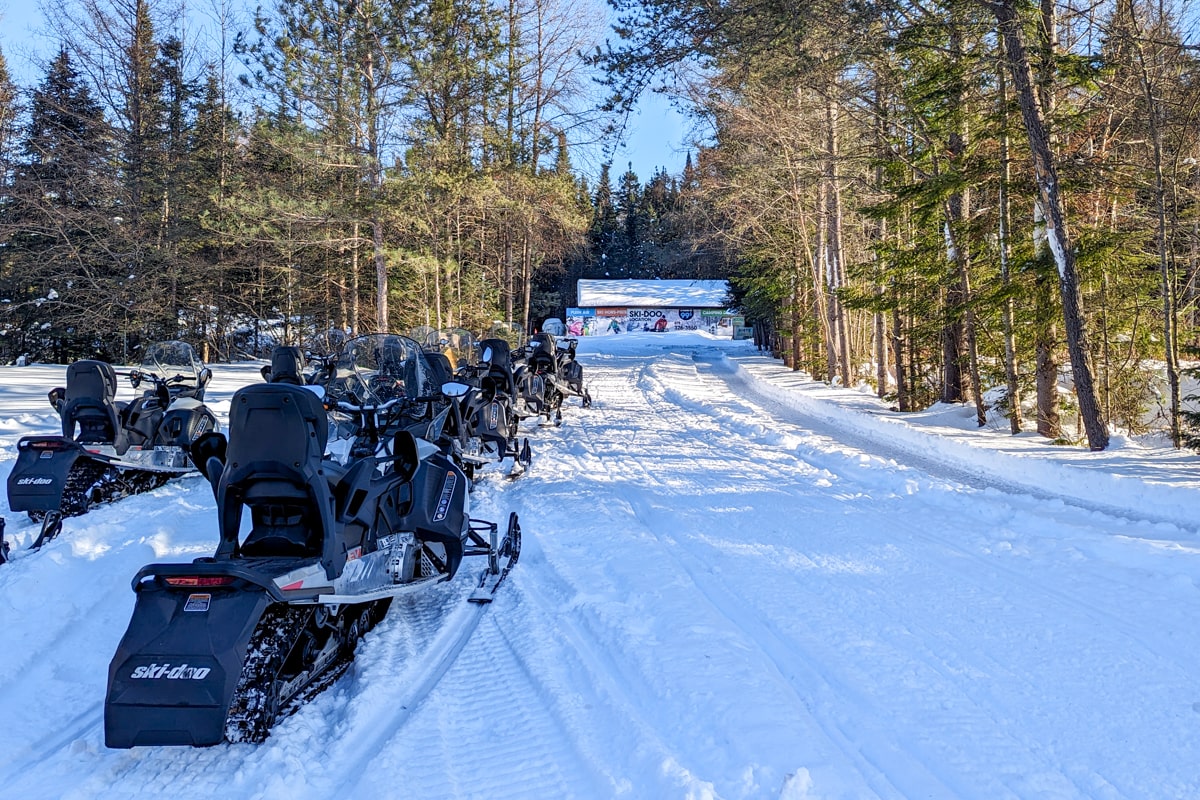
{"x":719,"y":596}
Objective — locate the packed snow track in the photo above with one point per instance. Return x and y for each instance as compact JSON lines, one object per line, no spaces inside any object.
{"x":717,"y":597}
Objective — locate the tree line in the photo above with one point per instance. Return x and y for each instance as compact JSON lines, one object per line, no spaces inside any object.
{"x":354,"y":165}
{"x":945,"y":198}
{"x":971,"y":201}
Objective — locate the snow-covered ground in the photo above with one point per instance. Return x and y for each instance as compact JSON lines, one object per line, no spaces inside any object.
{"x":735,"y":583}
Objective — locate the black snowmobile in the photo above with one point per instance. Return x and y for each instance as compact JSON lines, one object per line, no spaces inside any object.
{"x":570,"y":371}
{"x":110,"y":449}
{"x":548,"y":375}
{"x":482,"y":426}
{"x":219,"y":648}
{"x":536,"y":383}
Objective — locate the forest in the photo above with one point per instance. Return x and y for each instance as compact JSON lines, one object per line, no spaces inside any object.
{"x":987,"y":202}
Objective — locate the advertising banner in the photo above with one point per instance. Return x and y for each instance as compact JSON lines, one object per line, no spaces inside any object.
{"x":610,"y":321}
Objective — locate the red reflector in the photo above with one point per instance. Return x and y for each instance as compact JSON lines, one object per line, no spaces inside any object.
{"x":199,"y":580}
{"x":48,"y":445}
{"x":293,"y":585}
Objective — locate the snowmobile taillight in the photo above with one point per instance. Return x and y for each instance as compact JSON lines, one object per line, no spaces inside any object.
{"x":49,"y":444}
{"x":199,"y":580}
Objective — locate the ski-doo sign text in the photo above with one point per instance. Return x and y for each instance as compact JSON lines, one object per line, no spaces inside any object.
{"x":165,"y":671}
{"x":34,"y":481}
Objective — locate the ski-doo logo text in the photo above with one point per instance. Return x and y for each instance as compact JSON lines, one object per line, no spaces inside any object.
{"x":35,"y":481}
{"x":181,"y":673}
{"x":444,"y":502}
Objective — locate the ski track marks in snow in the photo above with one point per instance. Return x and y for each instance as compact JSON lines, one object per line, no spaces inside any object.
{"x":718,"y":596}
{"x":905,"y":752}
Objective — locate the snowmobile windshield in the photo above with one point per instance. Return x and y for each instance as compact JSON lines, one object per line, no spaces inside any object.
{"x":172,"y":360}
{"x":325,"y":344}
{"x":377,"y":368}
{"x":459,"y":345}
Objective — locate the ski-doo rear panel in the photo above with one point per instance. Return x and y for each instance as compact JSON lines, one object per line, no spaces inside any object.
{"x":177,"y":667}
{"x":40,"y":473}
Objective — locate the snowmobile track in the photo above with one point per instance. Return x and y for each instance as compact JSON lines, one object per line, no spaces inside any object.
{"x":742,"y":384}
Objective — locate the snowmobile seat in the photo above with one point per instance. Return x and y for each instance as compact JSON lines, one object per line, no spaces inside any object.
{"x":287,"y":366}
{"x":500,"y":371}
{"x":274,"y":466}
{"x":90,"y":403}
{"x":543,"y":353}
{"x":438,"y":370}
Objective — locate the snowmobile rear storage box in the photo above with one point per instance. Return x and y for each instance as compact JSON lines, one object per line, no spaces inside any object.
{"x":38,"y":478}
{"x":175,"y":671}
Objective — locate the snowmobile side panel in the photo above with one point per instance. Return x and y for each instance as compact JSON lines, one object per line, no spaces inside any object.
{"x":39,"y":476}
{"x":175,"y":671}
{"x":184,"y":422}
{"x":440,"y":507}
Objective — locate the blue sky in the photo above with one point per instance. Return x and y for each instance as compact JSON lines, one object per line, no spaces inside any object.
{"x":654,"y":137}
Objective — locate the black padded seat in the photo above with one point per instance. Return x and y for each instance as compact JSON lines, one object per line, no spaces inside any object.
{"x":274,"y":465}
{"x":89,"y":403}
{"x":500,"y":366}
{"x":545,"y":355}
{"x":287,"y":365}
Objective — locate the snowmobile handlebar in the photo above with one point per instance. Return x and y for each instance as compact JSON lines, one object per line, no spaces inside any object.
{"x":368,"y":408}
{"x":137,"y":376}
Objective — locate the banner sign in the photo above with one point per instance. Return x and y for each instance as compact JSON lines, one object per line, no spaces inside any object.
{"x":610,"y":321}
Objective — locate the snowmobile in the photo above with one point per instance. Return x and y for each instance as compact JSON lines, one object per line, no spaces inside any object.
{"x":110,"y":449}
{"x":3,"y":544}
{"x":221,"y":648}
{"x":570,"y":371}
{"x":549,"y":375}
{"x":482,"y":427}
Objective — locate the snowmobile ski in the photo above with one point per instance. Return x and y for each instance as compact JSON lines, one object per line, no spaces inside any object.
{"x":501,"y":558}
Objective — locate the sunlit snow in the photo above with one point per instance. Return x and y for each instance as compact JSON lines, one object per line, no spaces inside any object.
{"x":735,"y":583}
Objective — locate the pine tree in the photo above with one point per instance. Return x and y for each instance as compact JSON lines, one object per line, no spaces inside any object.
{"x":66,"y":285}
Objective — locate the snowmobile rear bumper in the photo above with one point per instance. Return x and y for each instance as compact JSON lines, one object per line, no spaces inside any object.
{"x":175,"y":671}
{"x":37,"y":479}
{"x":41,"y":477}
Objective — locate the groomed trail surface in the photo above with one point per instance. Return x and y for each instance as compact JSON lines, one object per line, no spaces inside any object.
{"x":718,"y":596}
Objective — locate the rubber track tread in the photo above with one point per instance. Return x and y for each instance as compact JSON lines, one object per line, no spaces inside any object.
{"x":256,"y":702}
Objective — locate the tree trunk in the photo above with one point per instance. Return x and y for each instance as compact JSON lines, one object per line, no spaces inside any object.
{"x":1166,"y":274}
{"x":836,"y":261}
{"x":1010,"y":347}
{"x":1058,"y":237}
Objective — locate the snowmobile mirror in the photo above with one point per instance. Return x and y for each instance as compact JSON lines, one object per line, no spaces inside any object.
{"x":135,"y":378}
{"x":487,"y":354}
{"x":455,"y":389}
{"x":266,"y":372}
{"x":205,"y":376}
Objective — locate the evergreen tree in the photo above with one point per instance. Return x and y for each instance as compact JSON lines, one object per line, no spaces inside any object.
{"x":66,"y":286}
